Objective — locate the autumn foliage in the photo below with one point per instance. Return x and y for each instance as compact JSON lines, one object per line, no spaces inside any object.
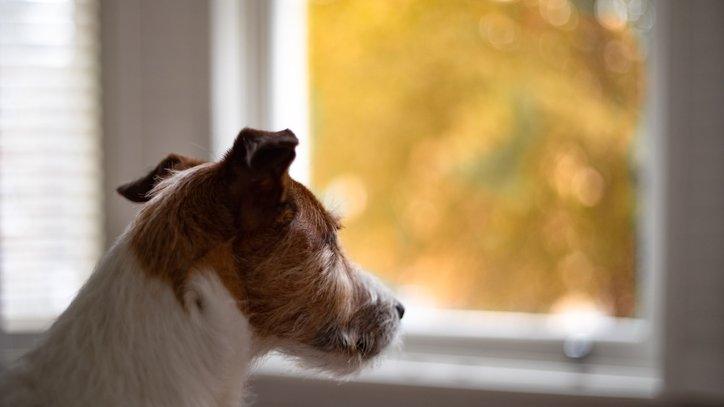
{"x":482,"y":153}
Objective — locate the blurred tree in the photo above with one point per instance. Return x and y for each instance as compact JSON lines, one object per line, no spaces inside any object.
{"x":480,"y":150}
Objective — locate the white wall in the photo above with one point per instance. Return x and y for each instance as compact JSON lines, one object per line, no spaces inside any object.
{"x":156,"y":90}
{"x":693,"y":125}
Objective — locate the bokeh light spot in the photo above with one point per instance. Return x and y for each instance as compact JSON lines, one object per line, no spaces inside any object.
{"x":499,"y":30}
{"x":588,"y":186}
{"x":612,"y":14}
{"x":556,"y":12}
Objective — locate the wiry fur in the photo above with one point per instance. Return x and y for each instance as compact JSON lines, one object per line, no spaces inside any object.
{"x":225,"y":262}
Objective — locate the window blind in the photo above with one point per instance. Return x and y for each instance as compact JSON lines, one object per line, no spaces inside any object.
{"x":50,"y":194}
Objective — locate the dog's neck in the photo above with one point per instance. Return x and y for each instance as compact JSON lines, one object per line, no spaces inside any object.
{"x":127,"y":340}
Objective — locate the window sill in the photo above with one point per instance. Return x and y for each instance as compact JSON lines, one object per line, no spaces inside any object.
{"x":491,"y":375}
{"x":504,"y":352}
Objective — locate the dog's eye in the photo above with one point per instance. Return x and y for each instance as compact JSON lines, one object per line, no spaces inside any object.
{"x":286,"y":206}
{"x":287,"y":210}
{"x":330,"y":239}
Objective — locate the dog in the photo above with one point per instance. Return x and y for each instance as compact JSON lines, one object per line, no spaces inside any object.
{"x":225,"y":262}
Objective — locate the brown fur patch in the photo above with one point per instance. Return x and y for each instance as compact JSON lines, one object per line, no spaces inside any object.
{"x":179,"y":226}
{"x":273,"y":270}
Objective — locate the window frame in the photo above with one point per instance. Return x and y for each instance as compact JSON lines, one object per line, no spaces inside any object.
{"x":628,"y":344}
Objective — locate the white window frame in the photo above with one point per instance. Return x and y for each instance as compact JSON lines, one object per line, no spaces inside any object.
{"x":258,"y":80}
{"x":624,"y":357}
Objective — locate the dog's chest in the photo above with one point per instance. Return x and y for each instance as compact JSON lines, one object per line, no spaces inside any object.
{"x":127,"y":340}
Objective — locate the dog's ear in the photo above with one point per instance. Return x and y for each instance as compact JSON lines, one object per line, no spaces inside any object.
{"x":138,"y":190}
{"x":259,"y":161}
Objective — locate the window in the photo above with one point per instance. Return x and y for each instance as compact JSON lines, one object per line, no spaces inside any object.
{"x":486,"y":157}
{"x":50,"y":233}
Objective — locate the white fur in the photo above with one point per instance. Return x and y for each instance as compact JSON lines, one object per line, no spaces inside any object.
{"x":126,"y":341}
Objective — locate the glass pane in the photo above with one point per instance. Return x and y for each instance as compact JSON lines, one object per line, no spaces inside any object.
{"x":481,"y":152}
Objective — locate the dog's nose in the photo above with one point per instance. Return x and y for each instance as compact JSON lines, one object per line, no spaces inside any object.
{"x":400,"y":309}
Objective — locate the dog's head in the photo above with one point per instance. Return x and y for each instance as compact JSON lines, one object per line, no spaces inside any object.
{"x":273,"y":245}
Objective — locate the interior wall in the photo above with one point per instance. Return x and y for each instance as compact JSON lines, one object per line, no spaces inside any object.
{"x":156,"y":91}
{"x":694,"y":306}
